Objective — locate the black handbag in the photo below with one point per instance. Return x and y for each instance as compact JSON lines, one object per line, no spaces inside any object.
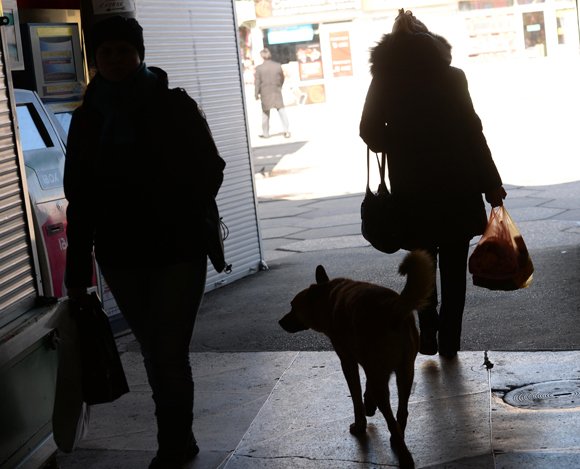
{"x":378,"y":211}
{"x":103,"y":377}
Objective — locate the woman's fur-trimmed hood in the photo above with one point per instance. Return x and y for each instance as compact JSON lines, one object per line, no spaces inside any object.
{"x":404,"y":51}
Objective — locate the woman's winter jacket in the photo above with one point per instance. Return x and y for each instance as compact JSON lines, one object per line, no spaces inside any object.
{"x":418,"y":111}
{"x":140,"y":165}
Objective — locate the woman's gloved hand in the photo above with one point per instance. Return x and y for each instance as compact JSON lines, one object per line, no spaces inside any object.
{"x":495,"y":197}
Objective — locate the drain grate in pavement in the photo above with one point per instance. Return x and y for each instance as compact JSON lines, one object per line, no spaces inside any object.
{"x":563,"y":394}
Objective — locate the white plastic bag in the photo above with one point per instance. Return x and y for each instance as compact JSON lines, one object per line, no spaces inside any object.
{"x":70,"y":415}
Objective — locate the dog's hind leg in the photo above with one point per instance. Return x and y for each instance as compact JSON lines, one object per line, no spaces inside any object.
{"x":351,"y":374}
{"x":405,"y":377}
{"x":380,"y":389}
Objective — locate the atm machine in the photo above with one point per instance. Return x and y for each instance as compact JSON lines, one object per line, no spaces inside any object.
{"x":41,"y":137}
{"x":43,"y":142}
{"x":48,"y":89}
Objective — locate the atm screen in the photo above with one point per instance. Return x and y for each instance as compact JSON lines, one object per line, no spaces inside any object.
{"x":64,"y":119}
{"x":33,"y":136}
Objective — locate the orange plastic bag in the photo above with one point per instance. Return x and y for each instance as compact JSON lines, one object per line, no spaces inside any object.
{"x":501,"y":261}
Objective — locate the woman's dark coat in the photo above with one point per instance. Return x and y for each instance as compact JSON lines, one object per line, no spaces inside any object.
{"x":141,"y":203}
{"x":268,"y":82}
{"x":419,"y":111}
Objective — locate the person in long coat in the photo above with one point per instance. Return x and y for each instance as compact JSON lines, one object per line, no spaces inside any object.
{"x":141,"y":170}
{"x":268,"y":82}
{"x":418,"y":110}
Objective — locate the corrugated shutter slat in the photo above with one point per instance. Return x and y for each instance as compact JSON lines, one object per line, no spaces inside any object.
{"x":16,"y":269}
{"x":196,"y":44}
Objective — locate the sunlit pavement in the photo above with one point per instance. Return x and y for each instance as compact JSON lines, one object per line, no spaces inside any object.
{"x":528,"y":109}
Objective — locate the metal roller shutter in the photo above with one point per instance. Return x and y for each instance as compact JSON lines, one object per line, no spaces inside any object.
{"x":18,"y":287}
{"x":196,"y":43}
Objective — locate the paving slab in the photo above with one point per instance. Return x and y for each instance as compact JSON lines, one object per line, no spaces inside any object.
{"x":305,"y":421}
{"x":230,"y":389}
{"x":540,"y":429}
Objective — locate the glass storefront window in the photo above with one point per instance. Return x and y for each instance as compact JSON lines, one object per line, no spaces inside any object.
{"x":466,"y":5}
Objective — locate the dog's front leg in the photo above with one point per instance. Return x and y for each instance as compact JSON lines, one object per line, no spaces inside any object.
{"x":351,"y":373}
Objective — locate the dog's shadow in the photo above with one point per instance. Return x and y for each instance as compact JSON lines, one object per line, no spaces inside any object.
{"x":371,"y":445}
{"x":369,"y":442}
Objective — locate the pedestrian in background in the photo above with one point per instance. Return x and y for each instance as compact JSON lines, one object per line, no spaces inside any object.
{"x":268,"y":83}
{"x":418,"y":110}
{"x":141,"y":166}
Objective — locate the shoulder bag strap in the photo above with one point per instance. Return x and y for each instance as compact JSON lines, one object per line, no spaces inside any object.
{"x":381,"y":165}
{"x":368,"y":168}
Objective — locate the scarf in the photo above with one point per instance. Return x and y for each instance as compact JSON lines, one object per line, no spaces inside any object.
{"x":119,"y":103}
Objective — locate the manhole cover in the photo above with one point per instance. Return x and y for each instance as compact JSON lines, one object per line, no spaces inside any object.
{"x":563,"y":394}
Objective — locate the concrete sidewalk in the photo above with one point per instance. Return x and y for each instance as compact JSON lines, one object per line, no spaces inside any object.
{"x":292,"y":410}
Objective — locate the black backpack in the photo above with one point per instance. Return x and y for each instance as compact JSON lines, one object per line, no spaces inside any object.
{"x":215,"y":231}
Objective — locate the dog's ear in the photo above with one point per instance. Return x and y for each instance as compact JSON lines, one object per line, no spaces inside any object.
{"x":321,"y":275}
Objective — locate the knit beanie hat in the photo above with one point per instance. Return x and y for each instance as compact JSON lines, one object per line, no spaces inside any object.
{"x":119,"y":28}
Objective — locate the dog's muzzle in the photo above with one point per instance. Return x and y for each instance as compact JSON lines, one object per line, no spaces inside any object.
{"x":290,"y":323}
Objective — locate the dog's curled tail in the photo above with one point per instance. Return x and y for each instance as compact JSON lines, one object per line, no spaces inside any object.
{"x":418,"y":267}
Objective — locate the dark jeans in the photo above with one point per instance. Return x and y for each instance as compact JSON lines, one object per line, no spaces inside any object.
{"x":160,"y":305}
{"x":452,"y":260}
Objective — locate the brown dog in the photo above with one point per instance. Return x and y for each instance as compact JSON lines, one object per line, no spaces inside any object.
{"x":375,"y":327}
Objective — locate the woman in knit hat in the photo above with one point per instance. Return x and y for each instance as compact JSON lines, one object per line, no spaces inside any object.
{"x":419,"y":112}
{"x":141,"y":168}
